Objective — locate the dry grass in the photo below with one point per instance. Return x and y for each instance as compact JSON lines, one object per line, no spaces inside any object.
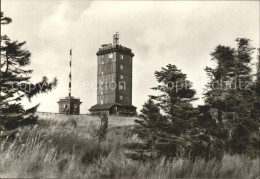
{"x":67,"y":148}
{"x":84,"y":120}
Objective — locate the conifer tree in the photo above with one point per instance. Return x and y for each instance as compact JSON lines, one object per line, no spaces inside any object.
{"x":230,"y":93}
{"x":167,"y":130}
{"x":175,"y":97}
{"x":151,"y":119}
{"x":150,"y":113}
{"x":256,"y":113}
{"x":15,"y":82}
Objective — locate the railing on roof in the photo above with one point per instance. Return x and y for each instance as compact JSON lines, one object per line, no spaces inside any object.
{"x":108,"y":47}
{"x":68,"y":98}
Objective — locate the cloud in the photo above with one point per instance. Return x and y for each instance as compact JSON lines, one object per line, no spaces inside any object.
{"x":180,"y":33}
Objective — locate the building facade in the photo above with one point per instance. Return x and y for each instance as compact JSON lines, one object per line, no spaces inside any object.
{"x":114,"y":80}
{"x":69,"y":105}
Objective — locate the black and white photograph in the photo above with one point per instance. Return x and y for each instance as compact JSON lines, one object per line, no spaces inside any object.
{"x":135,"y":89}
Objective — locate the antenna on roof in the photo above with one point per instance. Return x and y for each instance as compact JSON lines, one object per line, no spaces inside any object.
{"x":70,"y":76}
{"x":116,"y":39}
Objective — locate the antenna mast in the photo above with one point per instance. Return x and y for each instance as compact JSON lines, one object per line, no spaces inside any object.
{"x":116,"y":39}
{"x":70,"y":77}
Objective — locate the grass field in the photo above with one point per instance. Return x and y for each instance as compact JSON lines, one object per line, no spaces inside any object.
{"x":66,"y":147}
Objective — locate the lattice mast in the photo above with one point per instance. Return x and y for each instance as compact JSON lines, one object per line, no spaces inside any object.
{"x":70,"y":76}
{"x":116,"y":39}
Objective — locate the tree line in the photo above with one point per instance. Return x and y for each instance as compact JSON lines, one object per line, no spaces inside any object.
{"x":228,"y":122}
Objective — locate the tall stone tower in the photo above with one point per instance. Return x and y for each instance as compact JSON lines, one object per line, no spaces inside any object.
{"x":114,"y":79}
{"x":69,"y":105}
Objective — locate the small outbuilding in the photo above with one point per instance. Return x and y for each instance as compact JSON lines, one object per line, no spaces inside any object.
{"x":69,"y":105}
{"x":113,"y":109}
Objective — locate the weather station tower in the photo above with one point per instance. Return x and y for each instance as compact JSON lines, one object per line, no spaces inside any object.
{"x":114,"y":79}
{"x":69,"y":105}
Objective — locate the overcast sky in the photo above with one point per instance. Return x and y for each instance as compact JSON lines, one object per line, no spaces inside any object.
{"x":158,"y":32}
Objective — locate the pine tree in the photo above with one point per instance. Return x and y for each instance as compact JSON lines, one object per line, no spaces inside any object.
{"x":176,"y":95}
{"x":15,"y":82}
{"x":256,"y":113}
{"x":150,"y":113}
{"x":230,"y":93}
{"x":151,"y":119}
{"x":255,"y":138}
{"x":167,"y":133}
{"x":220,"y":77}
{"x":258,"y":74}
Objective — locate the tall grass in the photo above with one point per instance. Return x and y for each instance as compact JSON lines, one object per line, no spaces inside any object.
{"x":66,"y":149}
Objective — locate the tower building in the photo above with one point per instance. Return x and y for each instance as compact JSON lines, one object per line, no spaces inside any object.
{"x":69,"y":105}
{"x":114,"y":79}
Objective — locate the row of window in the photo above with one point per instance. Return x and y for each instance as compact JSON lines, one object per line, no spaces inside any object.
{"x":65,"y":106}
{"x":102,"y":83}
{"x":121,"y":87}
{"x":111,"y":55}
{"x":120,"y":97}
{"x":121,"y":76}
{"x":121,"y":66}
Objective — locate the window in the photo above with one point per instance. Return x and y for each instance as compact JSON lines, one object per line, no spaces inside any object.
{"x":121,"y":87}
{"x":102,"y":56}
{"x":121,"y":97}
{"x":121,"y":67}
{"x":101,"y":92}
{"x":102,"y":62}
{"x":110,"y":55}
{"x":121,"y":57}
{"x":121,"y":77}
{"x":102,"y":73}
{"x":101,"y":102}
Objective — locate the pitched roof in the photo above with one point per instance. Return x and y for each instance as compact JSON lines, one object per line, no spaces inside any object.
{"x":107,"y":106}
